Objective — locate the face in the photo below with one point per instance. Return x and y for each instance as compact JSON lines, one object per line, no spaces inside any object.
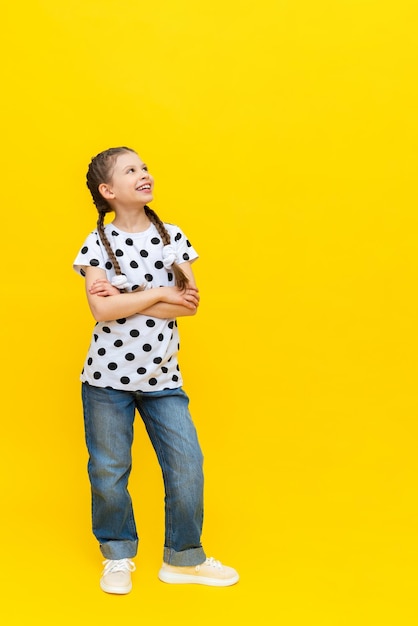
{"x":131,"y":184}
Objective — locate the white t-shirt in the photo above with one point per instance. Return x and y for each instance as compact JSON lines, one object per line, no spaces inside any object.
{"x":136,"y":353}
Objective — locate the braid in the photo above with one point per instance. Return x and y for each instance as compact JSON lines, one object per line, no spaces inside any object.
{"x":100,"y":170}
{"x":181,"y":279}
{"x":106,"y":243}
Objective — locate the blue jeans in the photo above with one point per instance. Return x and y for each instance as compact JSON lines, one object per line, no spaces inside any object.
{"x":109,"y":419}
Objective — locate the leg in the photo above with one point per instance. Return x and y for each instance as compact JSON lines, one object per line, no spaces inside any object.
{"x":109,"y":417}
{"x":173,"y":436}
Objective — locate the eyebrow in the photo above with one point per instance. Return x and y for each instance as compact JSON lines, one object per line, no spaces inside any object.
{"x":127,"y":167}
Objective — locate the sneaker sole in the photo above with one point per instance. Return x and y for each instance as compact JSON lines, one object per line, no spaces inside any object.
{"x":116,"y":590}
{"x":190,"y":579}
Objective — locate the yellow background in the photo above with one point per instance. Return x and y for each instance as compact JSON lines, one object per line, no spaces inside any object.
{"x":283,"y":139}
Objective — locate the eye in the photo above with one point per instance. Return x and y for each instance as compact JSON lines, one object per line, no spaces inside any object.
{"x":145,"y":168}
{"x":131,"y":169}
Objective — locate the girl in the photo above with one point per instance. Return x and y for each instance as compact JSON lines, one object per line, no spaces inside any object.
{"x":138,"y":280}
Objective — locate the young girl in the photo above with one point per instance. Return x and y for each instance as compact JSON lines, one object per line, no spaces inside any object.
{"x":138,"y":280}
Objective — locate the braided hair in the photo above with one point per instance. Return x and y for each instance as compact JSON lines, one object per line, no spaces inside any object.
{"x":100,"y":171}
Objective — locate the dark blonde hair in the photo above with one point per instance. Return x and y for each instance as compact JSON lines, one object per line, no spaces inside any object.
{"x":100,"y":171}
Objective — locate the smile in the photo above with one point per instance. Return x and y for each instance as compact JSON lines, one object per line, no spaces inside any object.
{"x":146,"y":187}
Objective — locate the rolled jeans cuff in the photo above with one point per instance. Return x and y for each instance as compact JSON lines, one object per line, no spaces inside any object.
{"x":194,"y":556}
{"x":115,"y":550}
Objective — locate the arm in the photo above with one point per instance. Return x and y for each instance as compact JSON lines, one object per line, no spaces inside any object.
{"x":163,"y":310}
{"x":127,"y":304}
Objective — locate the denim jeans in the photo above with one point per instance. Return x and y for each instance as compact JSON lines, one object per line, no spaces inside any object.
{"x":109,"y":419}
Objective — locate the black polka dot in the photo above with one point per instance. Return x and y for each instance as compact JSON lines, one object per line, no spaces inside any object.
{"x":158,"y":265}
{"x":152,"y":382}
{"x":164,"y":369}
{"x":141,"y":370}
{"x":170,"y":276}
{"x":134,"y":265}
{"x":119,"y":252}
{"x":144,"y":254}
{"x":171,"y":325}
{"x":95,"y":337}
{"x":84,"y":250}
{"x":189,"y":245}
{"x":97,"y":375}
{"x":160,"y":337}
{"x":155,"y":241}
{"x":108,"y":265}
{"x":147,"y":347}
{"x":113,"y":366}
{"x":106,"y":329}
{"x":89,"y":361}
{"x":135,"y":287}
{"x":178,"y":237}
{"x":121,"y":320}
{"x":94,"y":262}
{"x":101,"y":351}
{"x":175,"y":378}
{"x":129,"y":356}
{"x":186,"y":256}
{"x":149,"y":277}
{"x":150,"y":323}
{"x":134,"y":333}
{"x":114,"y":233}
{"x":157,"y":360}
{"x":82,"y":272}
{"x":129,"y":242}
{"x":125,"y":380}
{"x":118,"y":343}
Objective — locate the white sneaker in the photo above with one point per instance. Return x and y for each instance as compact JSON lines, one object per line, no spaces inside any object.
{"x":116,"y":576}
{"x":211,"y":573}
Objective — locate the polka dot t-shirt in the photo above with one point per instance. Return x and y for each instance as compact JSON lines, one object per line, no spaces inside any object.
{"x":137,"y":353}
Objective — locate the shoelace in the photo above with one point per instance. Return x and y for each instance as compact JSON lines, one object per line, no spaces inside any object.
{"x":211,"y":562}
{"x":120,"y":565}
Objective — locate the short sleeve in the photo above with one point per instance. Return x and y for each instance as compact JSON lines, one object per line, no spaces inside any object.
{"x":90,"y":253}
{"x":183,"y":247}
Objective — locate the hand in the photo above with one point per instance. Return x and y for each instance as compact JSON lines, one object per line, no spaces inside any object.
{"x":103,"y":288}
{"x":191,"y":296}
{"x":188,"y":297}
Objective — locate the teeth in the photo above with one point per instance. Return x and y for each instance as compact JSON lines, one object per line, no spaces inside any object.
{"x":144,"y":187}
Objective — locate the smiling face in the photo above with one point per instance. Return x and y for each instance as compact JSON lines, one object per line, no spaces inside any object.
{"x":130,"y":184}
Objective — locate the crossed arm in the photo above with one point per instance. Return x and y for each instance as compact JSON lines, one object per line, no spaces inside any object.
{"x":160,"y":302}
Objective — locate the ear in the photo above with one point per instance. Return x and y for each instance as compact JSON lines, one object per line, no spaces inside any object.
{"x":106,"y":191}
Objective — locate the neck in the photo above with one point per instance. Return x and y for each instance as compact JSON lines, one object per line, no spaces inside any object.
{"x":131,"y":222}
